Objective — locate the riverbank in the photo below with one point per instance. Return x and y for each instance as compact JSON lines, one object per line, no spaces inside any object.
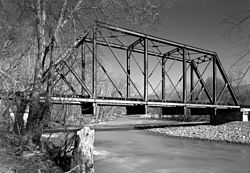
{"x":233,"y":132}
{"x":28,"y":162}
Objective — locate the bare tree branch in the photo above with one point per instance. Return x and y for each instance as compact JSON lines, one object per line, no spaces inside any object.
{"x":239,"y":23}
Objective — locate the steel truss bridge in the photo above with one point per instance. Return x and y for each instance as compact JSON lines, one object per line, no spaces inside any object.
{"x":182,"y":72}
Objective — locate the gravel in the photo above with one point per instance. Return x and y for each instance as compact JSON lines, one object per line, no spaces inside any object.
{"x":233,"y":132}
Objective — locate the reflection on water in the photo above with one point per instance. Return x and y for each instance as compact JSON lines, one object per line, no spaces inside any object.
{"x":139,"y":152}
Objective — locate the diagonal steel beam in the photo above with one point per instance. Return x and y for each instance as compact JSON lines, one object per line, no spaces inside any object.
{"x":175,"y":86}
{"x":174,"y":89}
{"x":104,"y":70}
{"x":137,"y":63}
{"x":166,"y":72}
{"x":57,"y":79}
{"x":152,"y":72}
{"x":67,"y":82}
{"x":171,"y":52}
{"x":78,"y":78}
{"x":202,"y":59}
{"x":202,"y":82}
{"x":199,"y":93}
{"x":226,"y":80}
{"x":130,"y":54}
{"x":159,"y":62}
{"x":112,"y":51}
{"x":132,"y":46}
{"x":158,"y":84}
{"x":221,"y":93}
{"x":193,"y":87}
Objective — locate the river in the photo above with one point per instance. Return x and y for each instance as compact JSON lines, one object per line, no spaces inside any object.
{"x":136,"y":151}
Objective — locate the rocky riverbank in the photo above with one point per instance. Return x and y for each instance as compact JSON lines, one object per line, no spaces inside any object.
{"x":233,"y":132}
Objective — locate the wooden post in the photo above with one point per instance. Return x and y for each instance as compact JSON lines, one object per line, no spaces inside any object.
{"x":83,"y":158}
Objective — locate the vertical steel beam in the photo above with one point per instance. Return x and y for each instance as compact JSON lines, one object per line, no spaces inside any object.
{"x":94,"y":64}
{"x":184,"y":71}
{"x":146,"y":73}
{"x":83,"y":66}
{"x":128,"y":72}
{"x":163,"y":88}
{"x":214,"y":81}
{"x":191,"y":82}
{"x":212,"y":116}
{"x":94,"y":73}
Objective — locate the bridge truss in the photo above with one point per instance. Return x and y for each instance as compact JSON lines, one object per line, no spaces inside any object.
{"x":182,"y":72}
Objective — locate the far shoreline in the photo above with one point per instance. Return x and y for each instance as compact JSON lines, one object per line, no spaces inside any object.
{"x":205,"y":133}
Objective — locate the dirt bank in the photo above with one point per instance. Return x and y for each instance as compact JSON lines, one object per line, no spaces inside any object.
{"x":29,"y":162}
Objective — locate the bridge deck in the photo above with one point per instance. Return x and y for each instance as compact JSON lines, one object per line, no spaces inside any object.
{"x":108,"y":101}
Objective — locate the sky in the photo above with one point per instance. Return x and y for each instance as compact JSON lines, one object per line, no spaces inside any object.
{"x":197,"y":23}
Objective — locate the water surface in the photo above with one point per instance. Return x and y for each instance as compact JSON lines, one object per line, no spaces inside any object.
{"x":136,"y":151}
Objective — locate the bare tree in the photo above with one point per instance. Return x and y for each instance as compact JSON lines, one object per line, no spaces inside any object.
{"x":35,"y":33}
{"x":238,"y":31}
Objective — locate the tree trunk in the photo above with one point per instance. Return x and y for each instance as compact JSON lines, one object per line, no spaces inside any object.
{"x":83,"y":159}
{"x":19,"y":128}
{"x":33,"y":127}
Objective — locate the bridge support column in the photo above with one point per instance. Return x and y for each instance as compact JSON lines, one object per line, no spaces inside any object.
{"x":245,"y":114}
{"x":95,"y":111}
{"x":138,"y":109}
{"x":221,"y":116}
